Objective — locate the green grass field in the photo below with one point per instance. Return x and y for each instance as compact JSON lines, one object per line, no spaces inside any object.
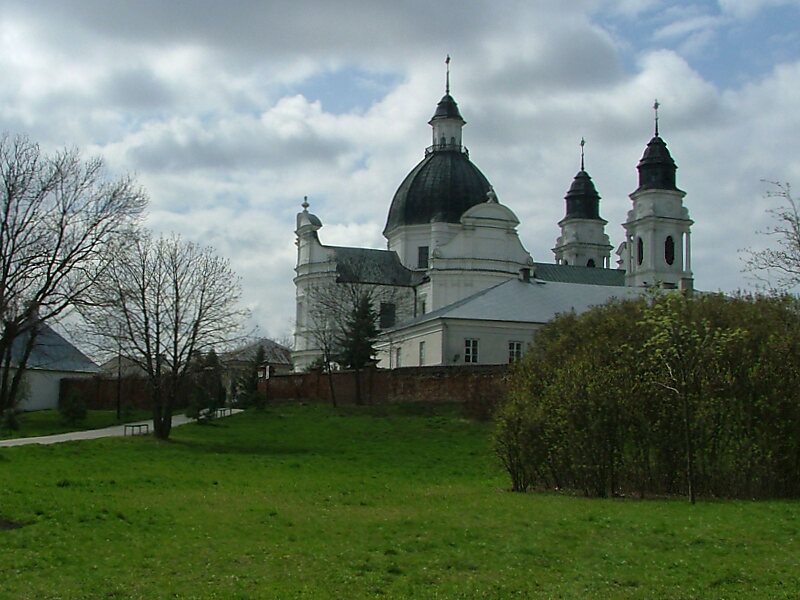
{"x":307,"y":502}
{"x":50,"y":422}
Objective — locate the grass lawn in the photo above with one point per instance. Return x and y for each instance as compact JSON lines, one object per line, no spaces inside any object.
{"x":308,"y":502}
{"x":49,"y":422}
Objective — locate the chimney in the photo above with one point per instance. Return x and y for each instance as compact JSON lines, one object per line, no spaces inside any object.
{"x":525,"y":275}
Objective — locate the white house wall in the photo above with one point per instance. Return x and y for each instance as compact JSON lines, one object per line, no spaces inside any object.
{"x":493,"y":338}
{"x":408,"y":347}
{"x":42,"y":388}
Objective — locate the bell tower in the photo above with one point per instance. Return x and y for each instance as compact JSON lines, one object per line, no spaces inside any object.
{"x":657,"y":249}
{"x":583,"y":241}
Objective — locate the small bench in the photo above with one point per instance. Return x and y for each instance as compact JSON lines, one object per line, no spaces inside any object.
{"x":136,"y":429}
{"x":224,"y":412}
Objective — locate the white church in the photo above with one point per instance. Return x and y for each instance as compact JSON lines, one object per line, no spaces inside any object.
{"x":457,"y":286}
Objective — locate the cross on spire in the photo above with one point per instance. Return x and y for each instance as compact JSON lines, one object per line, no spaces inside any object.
{"x":447,"y":85}
{"x":655,"y":108}
{"x":583,"y":143}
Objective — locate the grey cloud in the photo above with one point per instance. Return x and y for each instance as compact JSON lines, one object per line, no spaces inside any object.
{"x":135,"y":88}
{"x":207,"y":147}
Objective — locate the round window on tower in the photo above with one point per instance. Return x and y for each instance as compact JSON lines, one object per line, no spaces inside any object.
{"x":639,"y":250}
{"x":669,"y":250}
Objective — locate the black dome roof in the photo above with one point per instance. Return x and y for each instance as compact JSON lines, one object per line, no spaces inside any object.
{"x":440,"y":188}
{"x":656,"y":168}
{"x":447,"y":109}
{"x":583,"y":201}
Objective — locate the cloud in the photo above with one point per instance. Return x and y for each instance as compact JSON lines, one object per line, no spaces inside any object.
{"x":745,"y":9}
{"x":224,"y":115}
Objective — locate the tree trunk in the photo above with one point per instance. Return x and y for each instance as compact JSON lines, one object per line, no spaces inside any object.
{"x":330,"y":385}
{"x":687,"y":423}
{"x":357,"y":373}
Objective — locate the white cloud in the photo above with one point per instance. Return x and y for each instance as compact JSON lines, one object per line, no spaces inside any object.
{"x":204,"y":107}
{"x":745,"y":9}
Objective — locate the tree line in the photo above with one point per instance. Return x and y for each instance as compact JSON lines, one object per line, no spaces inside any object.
{"x":669,"y":394}
{"x":71,"y":241}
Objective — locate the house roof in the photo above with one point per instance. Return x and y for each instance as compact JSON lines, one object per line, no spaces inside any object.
{"x":52,"y":352}
{"x":274,"y":353}
{"x":535,"y":301}
{"x":574,"y":274}
{"x":369,"y":265}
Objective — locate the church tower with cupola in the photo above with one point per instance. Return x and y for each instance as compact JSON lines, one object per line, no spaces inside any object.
{"x":583,"y":241}
{"x":657,"y":247}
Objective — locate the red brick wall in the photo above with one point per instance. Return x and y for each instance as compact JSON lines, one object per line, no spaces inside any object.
{"x":481,"y":385}
{"x":100,"y":393}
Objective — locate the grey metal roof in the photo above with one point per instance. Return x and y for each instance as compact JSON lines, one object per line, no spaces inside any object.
{"x":440,"y":188}
{"x":274,"y":353}
{"x":528,"y":302}
{"x":656,"y":167}
{"x":52,"y":352}
{"x":447,"y":109}
{"x":370,"y":265}
{"x":574,"y":274}
{"x":583,"y":201}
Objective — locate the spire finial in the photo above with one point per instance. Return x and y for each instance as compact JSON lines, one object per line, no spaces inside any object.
{"x":305,"y":203}
{"x":447,"y":85}
{"x":655,"y":108}
{"x":583,"y":143}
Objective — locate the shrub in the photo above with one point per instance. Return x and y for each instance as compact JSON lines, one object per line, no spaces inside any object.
{"x":72,"y":408}
{"x":10,"y":421}
{"x":665,"y":395}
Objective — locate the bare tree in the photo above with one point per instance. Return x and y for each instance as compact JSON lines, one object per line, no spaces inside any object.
{"x":59,"y":218}
{"x":779,"y":267}
{"x":332,"y":305}
{"x":164,"y":300}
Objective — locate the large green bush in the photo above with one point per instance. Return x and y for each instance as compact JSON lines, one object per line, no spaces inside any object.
{"x":665,"y":395}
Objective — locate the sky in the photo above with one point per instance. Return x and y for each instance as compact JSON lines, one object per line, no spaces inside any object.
{"x":229,"y":113}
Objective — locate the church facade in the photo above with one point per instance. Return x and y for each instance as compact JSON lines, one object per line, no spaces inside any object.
{"x":456,"y":285}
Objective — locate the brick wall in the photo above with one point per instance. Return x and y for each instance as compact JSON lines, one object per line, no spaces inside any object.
{"x":478,"y":385}
{"x":100,"y":393}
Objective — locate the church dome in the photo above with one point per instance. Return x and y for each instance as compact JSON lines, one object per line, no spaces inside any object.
{"x":447,"y":109}
{"x":656,"y":168}
{"x":440,"y":188}
{"x":583,"y":201}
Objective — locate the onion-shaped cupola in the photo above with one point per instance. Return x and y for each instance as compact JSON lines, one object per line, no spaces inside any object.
{"x":445,"y":184}
{"x":446,"y":121}
{"x":656,"y":168}
{"x":583,"y":201}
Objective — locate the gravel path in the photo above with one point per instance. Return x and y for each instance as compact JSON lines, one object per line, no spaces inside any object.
{"x":93,"y":434}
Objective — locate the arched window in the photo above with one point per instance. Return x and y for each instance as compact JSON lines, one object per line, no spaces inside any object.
{"x":590,"y":263}
{"x":639,"y":250}
{"x":452,"y":141}
{"x":669,"y":250}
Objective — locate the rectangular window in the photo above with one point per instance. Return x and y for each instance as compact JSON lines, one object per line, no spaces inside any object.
{"x":386,"y":316}
{"x":421,"y":353}
{"x":470,"y":350}
{"x":397,"y":358}
{"x":514,"y":351}
{"x":422,"y":257}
